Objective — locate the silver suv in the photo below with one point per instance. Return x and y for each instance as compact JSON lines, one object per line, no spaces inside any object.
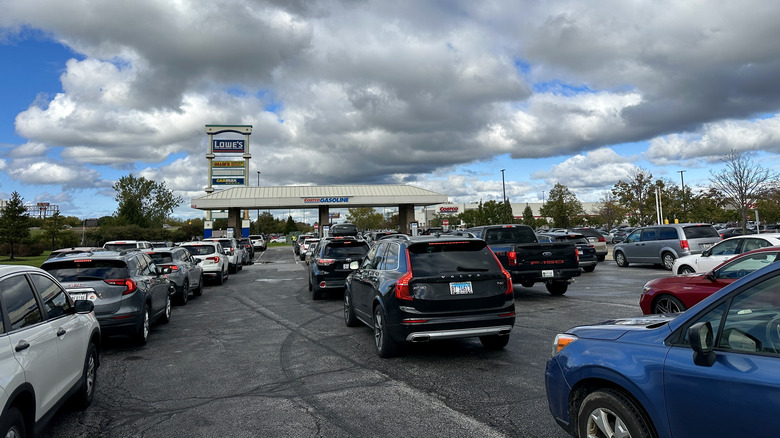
{"x":49,"y":349}
{"x":128,"y":289}
{"x":233,"y":251}
{"x":663,"y":244}
{"x":186,"y":272}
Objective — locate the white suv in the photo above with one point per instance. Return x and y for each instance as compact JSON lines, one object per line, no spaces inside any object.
{"x":48,"y":349}
{"x":213,"y":259}
{"x":119,"y":245}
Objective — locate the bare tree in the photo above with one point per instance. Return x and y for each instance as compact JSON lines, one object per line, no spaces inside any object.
{"x":742,"y":181}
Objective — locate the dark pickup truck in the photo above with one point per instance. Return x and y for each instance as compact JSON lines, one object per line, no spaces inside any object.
{"x":528,"y":260}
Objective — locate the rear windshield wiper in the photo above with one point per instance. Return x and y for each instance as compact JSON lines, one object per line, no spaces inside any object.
{"x":467,"y":269}
{"x":88,"y":277}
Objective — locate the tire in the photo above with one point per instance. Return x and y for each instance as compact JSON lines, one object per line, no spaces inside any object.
{"x":199,"y":290}
{"x":589,"y":268}
{"x":185,"y":293}
{"x":349,"y":312}
{"x":232,"y":269}
{"x":12,"y":423}
{"x":165,"y":318}
{"x":668,"y":260}
{"x":386,"y":347}
{"x":620,"y":259}
{"x":142,"y":332}
{"x":221,"y":278}
{"x":316,"y":294}
{"x":557,"y":287}
{"x":310,"y":287}
{"x":667,"y":304}
{"x":605,"y":411}
{"x":527,"y":283}
{"x":601,"y":258}
{"x":86,"y":393}
{"x":685,"y":269}
{"x":494,"y":342}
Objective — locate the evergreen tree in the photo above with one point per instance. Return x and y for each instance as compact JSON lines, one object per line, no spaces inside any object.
{"x":562,"y":206}
{"x":14,"y":222}
{"x":528,"y":216}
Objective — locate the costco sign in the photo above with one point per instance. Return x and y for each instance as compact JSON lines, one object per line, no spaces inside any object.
{"x":448,"y":209}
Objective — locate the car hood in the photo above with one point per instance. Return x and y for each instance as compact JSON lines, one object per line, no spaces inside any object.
{"x":615,"y":328}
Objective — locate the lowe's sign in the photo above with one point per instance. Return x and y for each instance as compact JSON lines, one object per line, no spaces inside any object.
{"x":325,"y":200}
{"x":228,"y":146}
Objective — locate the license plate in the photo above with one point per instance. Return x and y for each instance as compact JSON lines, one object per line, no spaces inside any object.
{"x":461,"y":288}
{"x":579,"y":251}
{"x":78,"y":296}
{"x":548,"y":273}
{"x":705,"y":245}
{"x":346,"y":266}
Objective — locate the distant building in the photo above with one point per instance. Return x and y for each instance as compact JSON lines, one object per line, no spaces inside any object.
{"x":426,"y":214}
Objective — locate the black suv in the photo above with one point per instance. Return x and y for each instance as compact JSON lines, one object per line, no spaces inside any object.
{"x":129,"y":291}
{"x":417,"y":289}
{"x":333,"y":260}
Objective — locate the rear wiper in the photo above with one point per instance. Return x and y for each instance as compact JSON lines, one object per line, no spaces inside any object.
{"x":88,"y":277}
{"x":463,"y":268}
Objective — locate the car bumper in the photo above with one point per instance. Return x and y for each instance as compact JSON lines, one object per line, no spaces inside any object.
{"x":558,"y":394}
{"x":422,"y":328}
{"x":538,"y":276}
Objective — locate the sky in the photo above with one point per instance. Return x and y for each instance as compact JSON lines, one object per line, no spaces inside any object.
{"x":437,"y":94}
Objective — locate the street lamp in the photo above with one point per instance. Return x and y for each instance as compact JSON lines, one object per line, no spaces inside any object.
{"x":503,"y":184}
{"x":682,"y":182}
{"x":258,"y":208}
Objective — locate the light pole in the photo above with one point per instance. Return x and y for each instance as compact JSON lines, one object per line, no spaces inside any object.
{"x":503,"y":185}
{"x":682,"y":182}
{"x":258,"y":208}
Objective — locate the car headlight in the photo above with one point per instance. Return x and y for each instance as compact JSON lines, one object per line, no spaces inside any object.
{"x":646,"y":288}
{"x":562,"y":341}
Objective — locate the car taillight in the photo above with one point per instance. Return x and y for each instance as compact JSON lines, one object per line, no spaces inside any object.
{"x":684,"y":245}
{"x":512,"y":258}
{"x":510,"y":290}
{"x":577,"y":254}
{"x":173,"y":267}
{"x":325,"y":262}
{"x":402,"y":291}
{"x":214,"y":259}
{"x":602,"y":239}
{"x":129,"y":283}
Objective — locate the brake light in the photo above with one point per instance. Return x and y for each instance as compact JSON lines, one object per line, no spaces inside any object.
{"x":512,"y":258}
{"x":325,"y":262}
{"x":402,"y":291}
{"x":510,"y":290}
{"x":214,"y":259}
{"x":684,"y":245}
{"x":129,"y":283}
{"x":577,"y":254}
{"x":602,"y":239}
{"x":173,"y":267}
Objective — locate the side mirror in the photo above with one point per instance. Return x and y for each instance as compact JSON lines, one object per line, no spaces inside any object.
{"x":702,"y":342}
{"x":84,"y":306}
{"x":710,"y":276}
{"x":706,"y":252}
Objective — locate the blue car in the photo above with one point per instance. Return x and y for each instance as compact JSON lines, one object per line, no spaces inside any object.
{"x":713,"y":371}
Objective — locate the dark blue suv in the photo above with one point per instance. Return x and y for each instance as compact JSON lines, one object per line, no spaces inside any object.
{"x":711,"y":371}
{"x":419,"y":289}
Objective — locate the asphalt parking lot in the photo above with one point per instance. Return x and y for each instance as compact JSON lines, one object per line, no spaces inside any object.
{"x":257,"y":357}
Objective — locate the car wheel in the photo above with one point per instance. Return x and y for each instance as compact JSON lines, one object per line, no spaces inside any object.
{"x":589,"y":268}
{"x":198,"y":290}
{"x":232,"y":269}
{"x":668,"y":259}
{"x":89,"y":379}
{"x":385,"y":346}
{"x":667,"y":304}
{"x":685,"y":269}
{"x":142,"y":333}
{"x":349,"y":312}
{"x":601,"y":258}
{"x":557,"y":287}
{"x":607,"y":413}
{"x":316,"y":294}
{"x":527,"y":283}
{"x":494,"y":342}
{"x":620,"y":259}
{"x":310,"y":287}
{"x":221,"y":278}
{"x":185,"y":292}
{"x":12,"y":424}
{"x":165,"y":318}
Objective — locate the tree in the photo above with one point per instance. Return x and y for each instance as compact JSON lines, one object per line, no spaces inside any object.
{"x":52,"y":227}
{"x":365,"y":218}
{"x":290,"y":226}
{"x":562,"y":206}
{"x":637,"y":195}
{"x":144,"y":202}
{"x":742,"y":182}
{"x":14,"y":222}
{"x":769,"y":206}
{"x":528,"y":216}
{"x":611,"y":212}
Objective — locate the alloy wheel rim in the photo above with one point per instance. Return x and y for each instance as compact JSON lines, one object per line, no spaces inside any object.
{"x":346,"y":306}
{"x":90,"y":382}
{"x":378,"y":330}
{"x":603,"y":423}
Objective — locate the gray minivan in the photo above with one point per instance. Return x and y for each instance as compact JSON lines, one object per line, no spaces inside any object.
{"x":662,"y":244}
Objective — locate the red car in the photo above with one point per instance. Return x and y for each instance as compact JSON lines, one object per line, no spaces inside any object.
{"x":678,"y":293}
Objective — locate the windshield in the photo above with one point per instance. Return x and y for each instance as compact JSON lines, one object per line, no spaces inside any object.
{"x":81,"y":270}
{"x":120,"y":246}
{"x":432,"y":259}
{"x":201,"y":249}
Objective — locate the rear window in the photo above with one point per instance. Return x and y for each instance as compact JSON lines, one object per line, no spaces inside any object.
{"x":120,"y":246}
{"x":509,"y":235}
{"x":227,"y":243}
{"x":86,"y":269}
{"x":201,"y":249}
{"x":434,"y":258}
{"x":346,"y":251}
{"x":700,"y":232}
{"x":161,"y":257}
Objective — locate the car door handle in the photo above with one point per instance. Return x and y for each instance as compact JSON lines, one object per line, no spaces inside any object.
{"x":61,"y":331}
{"x":22,"y":345}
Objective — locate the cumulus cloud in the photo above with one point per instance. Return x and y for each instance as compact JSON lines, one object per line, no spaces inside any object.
{"x":31,"y":171}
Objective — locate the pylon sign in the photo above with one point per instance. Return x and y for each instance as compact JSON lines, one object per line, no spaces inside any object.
{"x":228,"y":172}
